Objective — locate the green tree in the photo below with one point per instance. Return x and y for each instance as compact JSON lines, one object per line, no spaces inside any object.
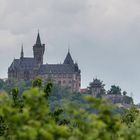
{"x":130,"y":116}
{"x":124,"y":93}
{"x":128,"y":100}
{"x":1,"y":84}
{"x":28,"y":116}
{"x":37,"y":83}
{"x":115,"y":90}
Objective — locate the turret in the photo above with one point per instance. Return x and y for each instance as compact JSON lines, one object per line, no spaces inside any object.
{"x":97,"y":88}
{"x":68,"y":59}
{"x":38,"y":50}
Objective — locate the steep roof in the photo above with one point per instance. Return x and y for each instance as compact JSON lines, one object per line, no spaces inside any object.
{"x":68,"y":59}
{"x":14,"y":64}
{"x":38,"y":40}
{"x":28,"y":62}
{"x":24,"y":63}
{"x":97,"y":83}
{"x":56,"y":69}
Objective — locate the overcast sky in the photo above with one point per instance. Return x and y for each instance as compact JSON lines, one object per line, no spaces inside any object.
{"x":104,"y":37}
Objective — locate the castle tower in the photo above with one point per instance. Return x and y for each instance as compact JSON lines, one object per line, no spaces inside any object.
{"x":97,"y":88}
{"x":38,"y":50}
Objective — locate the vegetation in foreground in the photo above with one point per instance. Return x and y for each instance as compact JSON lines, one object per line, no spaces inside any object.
{"x":31,"y":116}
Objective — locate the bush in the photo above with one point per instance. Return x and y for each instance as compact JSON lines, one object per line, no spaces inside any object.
{"x":28,"y":117}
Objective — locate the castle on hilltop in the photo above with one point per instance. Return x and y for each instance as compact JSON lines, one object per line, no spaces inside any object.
{"x":67,"y":74}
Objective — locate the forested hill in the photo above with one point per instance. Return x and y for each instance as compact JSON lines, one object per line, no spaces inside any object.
{"x":44,"y":113}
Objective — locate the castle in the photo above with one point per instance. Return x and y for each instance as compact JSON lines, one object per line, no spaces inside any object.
{"x":67,"y":74}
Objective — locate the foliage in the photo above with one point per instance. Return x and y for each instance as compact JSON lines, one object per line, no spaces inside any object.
{"x":37,"y":83}
{"x":128,"y":100}
{"x":115,"y":90}
{"x":124,"y":93}
{"x":1,"y":83}
{"x":29,"y":116}
{"x":60,"y":96}
{"x":130,"y":116}
{"x":8,"y":85}
{"x":48,"y":89}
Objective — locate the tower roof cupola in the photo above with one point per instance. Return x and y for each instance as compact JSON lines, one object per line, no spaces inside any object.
{"x":38,"y":40}
{"x":68,"y":59}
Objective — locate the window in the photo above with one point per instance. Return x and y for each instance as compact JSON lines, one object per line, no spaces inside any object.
{"x":59,"y":82}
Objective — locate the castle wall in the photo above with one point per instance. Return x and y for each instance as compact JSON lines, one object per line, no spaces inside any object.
{"x":72,"y":81}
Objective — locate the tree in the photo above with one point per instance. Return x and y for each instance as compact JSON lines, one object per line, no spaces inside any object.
{"x":37,"y":83}
{"x":1,"y":84}
{"x":36,"y":121}
{"x":115,"y":90}
{"x":28,"y":116}
{"x":124,"y":93}
{"x":22,"y":85}
{"x":130,"y":116}
{"x":128,"y":100}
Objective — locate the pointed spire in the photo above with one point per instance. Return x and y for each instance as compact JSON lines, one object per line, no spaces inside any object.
{"x":68,"y":59}
{"x":22,"y":53}
{"x":38,"y":40}
{"x":14,"y":62}
{"x":68,"y":47}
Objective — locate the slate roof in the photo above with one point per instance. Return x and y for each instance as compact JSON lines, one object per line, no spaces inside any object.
{"x":68,"y":59}
{"x":38,"y":40}
{"x":56,"y":69}
{"x":24,"y":63}
{"x":28,"y":61}
{"x":14,"y":64}
{"x":96,"y":83}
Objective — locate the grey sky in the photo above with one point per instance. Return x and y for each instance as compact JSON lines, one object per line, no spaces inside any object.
{"x":103,"y":36}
